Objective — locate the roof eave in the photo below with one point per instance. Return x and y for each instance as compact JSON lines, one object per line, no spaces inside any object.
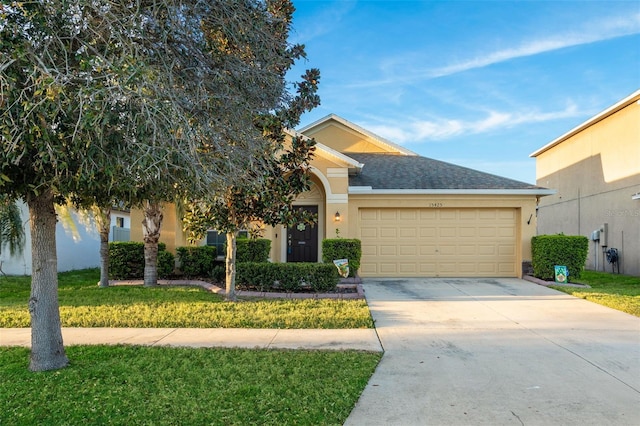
{"x":368,"y":190}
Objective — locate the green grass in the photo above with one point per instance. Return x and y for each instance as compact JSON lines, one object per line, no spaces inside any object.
{"x":132,"y":385}
{"x":84,"y":304}
{"x":621,"y":292}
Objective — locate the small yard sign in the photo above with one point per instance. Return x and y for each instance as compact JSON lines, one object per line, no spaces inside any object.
{"x":561,"y":274}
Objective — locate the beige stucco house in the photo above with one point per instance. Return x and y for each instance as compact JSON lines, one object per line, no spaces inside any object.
{"x":415,"y":216}
{"x":595,"y":168}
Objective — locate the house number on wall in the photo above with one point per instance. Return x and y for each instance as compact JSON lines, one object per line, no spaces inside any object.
{"x":436,"y":204}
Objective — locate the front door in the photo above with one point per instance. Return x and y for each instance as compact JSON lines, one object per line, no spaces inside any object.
{"x":302,"y":241}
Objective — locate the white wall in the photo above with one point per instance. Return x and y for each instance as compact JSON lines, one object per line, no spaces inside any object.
{"x":78,"y":251}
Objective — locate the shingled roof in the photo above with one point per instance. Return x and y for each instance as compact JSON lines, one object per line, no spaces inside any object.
{"x":392,"y":171}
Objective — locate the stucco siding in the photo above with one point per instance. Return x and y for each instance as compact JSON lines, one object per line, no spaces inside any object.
{"x":596,"y":171}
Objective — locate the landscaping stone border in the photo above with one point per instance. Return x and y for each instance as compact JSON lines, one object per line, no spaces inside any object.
{"x":551,"y":283}
{"x":354,"y":283}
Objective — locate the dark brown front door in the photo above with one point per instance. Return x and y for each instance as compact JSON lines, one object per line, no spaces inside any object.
{"x":302,"y":241}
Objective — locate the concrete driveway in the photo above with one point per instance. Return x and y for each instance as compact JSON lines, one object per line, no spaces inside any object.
{"x":498,"y":352}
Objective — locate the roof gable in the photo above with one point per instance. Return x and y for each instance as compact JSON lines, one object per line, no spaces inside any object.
{"x":346,"y":137}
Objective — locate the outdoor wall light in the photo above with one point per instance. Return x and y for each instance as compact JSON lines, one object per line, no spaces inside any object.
{"x":337,"y":217}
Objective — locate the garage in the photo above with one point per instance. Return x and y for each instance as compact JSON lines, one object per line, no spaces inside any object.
{"x":439,"y":242}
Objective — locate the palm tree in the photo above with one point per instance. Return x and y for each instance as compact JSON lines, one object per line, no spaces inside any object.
{"x":11,"y":229}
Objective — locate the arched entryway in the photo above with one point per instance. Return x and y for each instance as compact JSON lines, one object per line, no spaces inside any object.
{"x":303,"y":243}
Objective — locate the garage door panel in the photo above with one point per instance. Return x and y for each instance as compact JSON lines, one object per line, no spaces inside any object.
{"x":408,"y":233}
{"x":487,"y":268}
{"x":506,"y":268}
{"x":446,"y":250}
{"x":447,"y":215}
{"x":429,"y":269}
{"x":467,"y":267}
{"x":388,"y":214}
{"x":367,"y":232}
{"x":408,"y":268}
{"x":487,"y":232}
{"x":506,"y":232}
{"x":388,"y":268}
{"x":439,"y":242}
{"x":370,"y":250}
{"x":428,"y":214}
{"x":368,"y":214}
{"x":507,"y":250}
{"x":467,"y":231}
{"x":487,"y":214}
{"x":388,"y":232}
{"x":428,"y":232}
{"x":408,"y":214}
{"x":467,"y":250}
{"x":387,"y":250}
{"x":485,"y":250}
{"x":448,"y":231}
{"x":408,"y":250}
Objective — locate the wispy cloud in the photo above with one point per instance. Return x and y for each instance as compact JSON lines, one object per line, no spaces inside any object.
{"x":324,"y":22}
{"x":439,"y":129}
{"x":591,"y":32}
{"x":614,"y":28}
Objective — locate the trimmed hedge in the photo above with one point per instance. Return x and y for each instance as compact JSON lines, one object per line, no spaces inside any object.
{"x":126,"y":260}
{"x":166,"y":264}
{"x":196,"y":261}
{"x":550,"y":250}
{"x":288,"y":277}
{"x":343,"y":248}
{"x":252,"y":250}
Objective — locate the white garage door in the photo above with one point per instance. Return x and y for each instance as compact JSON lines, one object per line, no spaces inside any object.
{"x":438,"y":242}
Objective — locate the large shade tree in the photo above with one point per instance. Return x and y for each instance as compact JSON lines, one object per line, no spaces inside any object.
{"x":105,"y":99}
{"x":267,"y":189}
{"x":233,"y":57}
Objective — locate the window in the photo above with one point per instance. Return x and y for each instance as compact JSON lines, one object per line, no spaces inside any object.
{"x":120,"y":222}
{"x":219,"y":240}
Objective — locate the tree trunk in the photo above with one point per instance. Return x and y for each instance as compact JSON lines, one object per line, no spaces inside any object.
{"x":47,"y":348}
{"x":231,"y":267}
{"x":151,"y":235}
{"x":104,"y":223}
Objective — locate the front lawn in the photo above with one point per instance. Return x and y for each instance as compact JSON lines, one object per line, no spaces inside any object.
{"x":621,"y":292}
{"x":84,"y":304}
{"x":134,"y":385}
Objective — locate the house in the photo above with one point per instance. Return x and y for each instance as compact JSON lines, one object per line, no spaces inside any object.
{"x":77,"y":241}
{"x":415,"y":216}
{"x":595,"y":168}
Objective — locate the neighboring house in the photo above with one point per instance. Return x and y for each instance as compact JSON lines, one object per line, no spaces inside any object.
{"x":120,"y":225}
{"x":77,"y":248}
{"x":595,"y":168}
{"x":416,"y":217}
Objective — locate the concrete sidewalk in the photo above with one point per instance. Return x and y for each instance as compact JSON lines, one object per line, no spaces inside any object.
{"x":357,"y":339}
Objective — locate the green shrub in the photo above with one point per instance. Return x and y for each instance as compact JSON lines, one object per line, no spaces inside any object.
{"x":196,"y":261}
{"x":252,"y":250}
{"x":166,"y":264}
{"x":550,"y":250}
{"x":343,"y":248}
{"x":288,"y":277}
{"x":126,"y":260}
{"x":219,"y":273}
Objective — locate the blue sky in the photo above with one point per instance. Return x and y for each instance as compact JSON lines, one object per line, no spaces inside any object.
{"x":481,"y":84}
